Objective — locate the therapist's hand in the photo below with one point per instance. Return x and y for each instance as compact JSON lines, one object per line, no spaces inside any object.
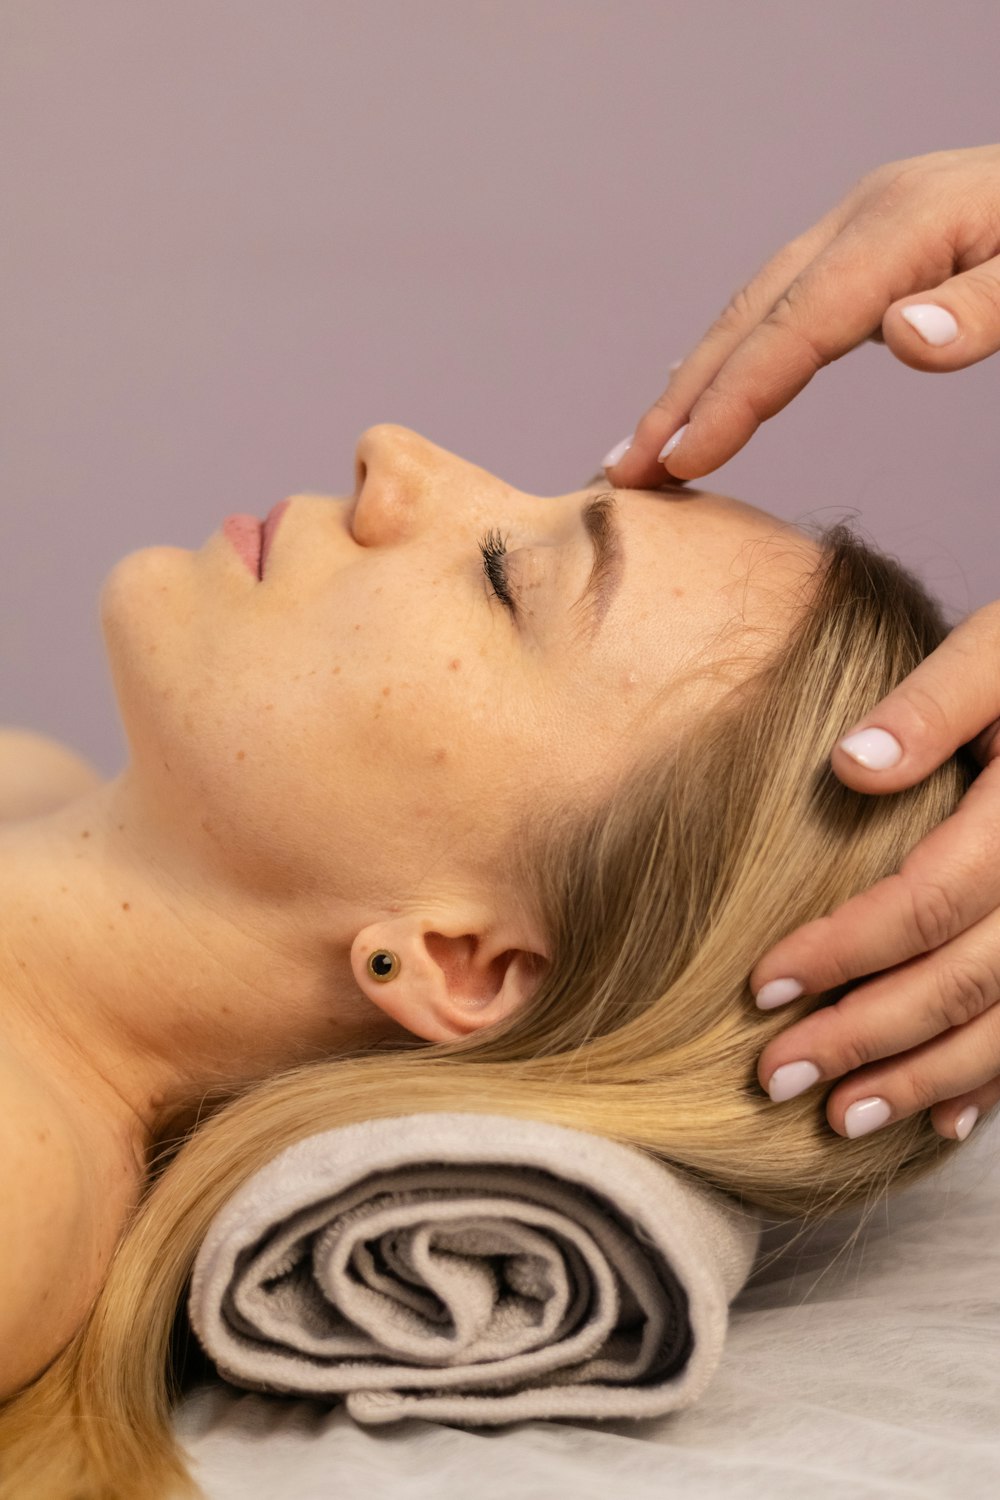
{"x":926,"y":1033}
{"x":917,"y":238}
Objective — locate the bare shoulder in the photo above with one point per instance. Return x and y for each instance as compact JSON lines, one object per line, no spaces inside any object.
{"x":38,"y":773}
{"x":47,"y":1263}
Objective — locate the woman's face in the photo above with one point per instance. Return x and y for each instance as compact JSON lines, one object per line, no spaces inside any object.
{"x":369,"y":717}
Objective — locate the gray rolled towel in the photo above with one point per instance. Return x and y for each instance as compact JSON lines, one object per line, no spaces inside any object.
{"x":471,"y":1269}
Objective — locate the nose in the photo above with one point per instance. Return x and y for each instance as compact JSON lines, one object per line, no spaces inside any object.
{"x":405,"y":484}
{"x":396,"y":474}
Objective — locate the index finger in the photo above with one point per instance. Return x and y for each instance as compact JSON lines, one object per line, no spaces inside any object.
{"x":639,"y":467}
{"x":834,"y":304}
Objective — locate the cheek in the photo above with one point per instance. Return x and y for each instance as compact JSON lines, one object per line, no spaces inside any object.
{"x":288,"y":748}
{"x":373,"y":718}
{"x":426,"y":725}
{"x":389,"y":753}
{"x":410,"y":723}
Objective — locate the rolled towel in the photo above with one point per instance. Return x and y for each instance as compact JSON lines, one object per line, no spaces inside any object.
{"x":471,"y":1269}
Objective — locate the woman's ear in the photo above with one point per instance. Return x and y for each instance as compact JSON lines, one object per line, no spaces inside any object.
{"x":445,"y":979}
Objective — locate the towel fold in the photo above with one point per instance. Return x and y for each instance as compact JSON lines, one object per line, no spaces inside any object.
{"x":471,"y":1269}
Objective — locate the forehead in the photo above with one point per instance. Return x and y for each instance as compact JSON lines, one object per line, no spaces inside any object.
{"x":714,"y":543}
{"x":707,"y":579}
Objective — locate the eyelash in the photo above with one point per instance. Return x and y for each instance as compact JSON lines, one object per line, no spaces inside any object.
{"x":494,"y":549}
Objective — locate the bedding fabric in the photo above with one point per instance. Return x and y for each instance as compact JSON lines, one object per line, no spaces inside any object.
{"x":860,"y":1361}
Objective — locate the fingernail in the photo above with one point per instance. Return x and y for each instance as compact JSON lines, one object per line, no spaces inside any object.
{"x":791,"y":1079}
{"x":875,"y":749}
{"x":676,"y":365}
{"x":671,"y":443}
{"x":965,"y":1121}
{"x":934,"y":324}
{"x":617,"y":453}
{"x":865,"y":1115}
{"x":778,"y":992}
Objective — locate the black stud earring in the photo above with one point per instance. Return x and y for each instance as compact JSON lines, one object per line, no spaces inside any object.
{"x":383,"y":965}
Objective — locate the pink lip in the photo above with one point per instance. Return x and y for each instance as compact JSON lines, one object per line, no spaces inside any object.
{"x":245,"y":534}
{"x":251,"y":538}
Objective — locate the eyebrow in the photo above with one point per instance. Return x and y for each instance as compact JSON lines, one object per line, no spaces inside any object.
{"x":601,"y":521}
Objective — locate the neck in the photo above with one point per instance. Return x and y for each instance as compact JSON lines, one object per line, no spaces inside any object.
{"x":146,"y":984}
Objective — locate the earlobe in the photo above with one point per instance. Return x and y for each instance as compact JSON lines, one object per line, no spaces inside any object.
{"x":383,"y":965}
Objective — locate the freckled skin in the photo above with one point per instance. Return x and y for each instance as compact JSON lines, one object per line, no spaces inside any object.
{"x":397,"y":567}
{"x":285,"y":797}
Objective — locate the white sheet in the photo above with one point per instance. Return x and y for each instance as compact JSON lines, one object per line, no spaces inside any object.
{"x":850,"y":1372}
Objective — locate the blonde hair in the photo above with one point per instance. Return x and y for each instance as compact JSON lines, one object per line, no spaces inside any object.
{"x":657,"y":904}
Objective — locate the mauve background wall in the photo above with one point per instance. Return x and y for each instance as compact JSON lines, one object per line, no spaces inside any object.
{"x":236,"y":233}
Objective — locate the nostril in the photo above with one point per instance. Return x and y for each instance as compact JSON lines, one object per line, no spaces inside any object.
{"x":356,"y":500}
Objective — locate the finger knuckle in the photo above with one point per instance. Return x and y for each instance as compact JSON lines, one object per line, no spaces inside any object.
{"x":789,"y":315}
{"x":738,"y":314}
{"x":982,"y":287}
{"x":839,"y":968}
{"x":666,"y":402}
{"x":915,"y":1090}
{"x":870,"y":189}
{"x":725,"y":402}
{"x":825,"y":953}
{"x":874,"y":179}
{"x":855,"y":1051}
{"x":895,"y":179}
{"x":934,"y":915}
{"x":933,"y":718}
{"x":964,"y":990}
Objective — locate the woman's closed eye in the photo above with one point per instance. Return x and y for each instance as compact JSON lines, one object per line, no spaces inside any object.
{"x":494,"y":549}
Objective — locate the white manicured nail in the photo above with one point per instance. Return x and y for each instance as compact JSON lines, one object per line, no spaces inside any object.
{"x":875,"y":749}
{"x":778,"y":992}
{"x":671,"y":443}
{"x":617,"y":453}
{"x":934,"y":324}
{"x":965,"y":1121}
{"x":791,"y":1079}
{"x":865,"y":1115}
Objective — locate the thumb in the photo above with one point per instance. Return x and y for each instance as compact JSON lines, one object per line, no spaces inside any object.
{"x":952,"y":326}
{"x":952,"y":698}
